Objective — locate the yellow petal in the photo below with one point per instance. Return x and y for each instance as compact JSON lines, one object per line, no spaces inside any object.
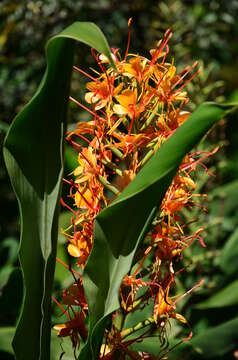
{"x":171,"y":72}
{"x":59,"y":326}
{"x":83,"y":197}
{"x":120,"y":110}
{"x":73,"y":251}
{"x":91,"y":86}
{"x":91,"y":98}
{"x":127,"y":98}
{"x":78,"y":171}
{"x":82,"y":179}
{"x":180,"y":318}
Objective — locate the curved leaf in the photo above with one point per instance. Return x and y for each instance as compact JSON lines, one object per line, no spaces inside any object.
{"x":228,"y":296}
{"x":120,"y":227}
{"x":227,"y":192}
{"x":217,"y":341}
{"x":229,"y":255}
{"x":6,"y":335}
{"x":57,"y":346}
{"x":33,"y":153}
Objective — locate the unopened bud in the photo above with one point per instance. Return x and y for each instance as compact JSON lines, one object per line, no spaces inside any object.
{"x":130,"y":22}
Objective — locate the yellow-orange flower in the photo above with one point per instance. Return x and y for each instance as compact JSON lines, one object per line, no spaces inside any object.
{"x":101,"y":91}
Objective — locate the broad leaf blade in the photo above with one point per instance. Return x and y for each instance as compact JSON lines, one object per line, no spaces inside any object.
{"x":229,"y":255}
{"x":120,"y":226}
{"x":217,"y":341}
{"x":6,"y":335}
{"x":228,"y":296}
{"x":33,"y":153}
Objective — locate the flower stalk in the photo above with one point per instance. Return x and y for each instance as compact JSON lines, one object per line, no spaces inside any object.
{"x":134,"y":110}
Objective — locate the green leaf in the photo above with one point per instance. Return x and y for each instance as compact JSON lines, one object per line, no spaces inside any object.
{"x":229,"y":255}
{"x":58,"y":345}
{"x":228,"y":296}
{"x":6,"y":336}
{"x":61,"y":346}
{"x":122,"y":225}
{"x":33,"y":153}
{"x":217,"y":341}
{"x":227,"y":193}
{"x":149,"y":345}
{"x":12,"y":245}
{"x":8,"y":299}
{"x":3,"y":126}
{"x":71,"y":161}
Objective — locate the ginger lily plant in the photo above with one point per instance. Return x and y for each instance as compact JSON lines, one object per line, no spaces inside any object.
{"x":133,"y":177}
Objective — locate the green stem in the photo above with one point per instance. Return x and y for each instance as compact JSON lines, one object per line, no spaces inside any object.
{"x":117,"y":152}
{"x":137,"y":327}
{"x":150,"y":118}
{"x":147,"y":157}
{"x":108,"y":185}
{"x":119,"y":320}
{"x":112,"y":166}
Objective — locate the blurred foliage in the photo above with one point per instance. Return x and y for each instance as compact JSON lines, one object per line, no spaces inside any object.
{"x":204,"y":30}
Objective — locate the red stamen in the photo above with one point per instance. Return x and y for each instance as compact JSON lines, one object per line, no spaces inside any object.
{"x":167,"y":36}
{"x":185,"y":74}
{"x":83,"y":138}
{"x":67,"y":266}
{"x":131,"y":124}
{"x":84,"y":107}
{"x":143,"y":260}
{"x":86,"y":201}
{"x":115,"y":51}
{"x":189,"y":291}
{"x":96,"y":57}
{"x":70,"y":182}
{"x":67,"y":206}
{"x":61,"y":307}
{"x":101,"y":67}
{"x":84,"y":73}
{"x":165,"y":55}
{"x":86,"y":159}
{"x":75,"y":145}
{"x":129,"y":38}
{"x":186,"y":82}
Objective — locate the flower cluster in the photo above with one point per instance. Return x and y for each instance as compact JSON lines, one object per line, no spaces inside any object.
{"x":135,"y":108}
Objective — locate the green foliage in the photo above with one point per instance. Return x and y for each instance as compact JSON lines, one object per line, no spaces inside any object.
{"x":228,"y":261}
{"x":218,"y":340}
{"x":33,"y":154}
{"x":123,"y":224}
{"x":6,"y":335}
{"x":228,"y":296}
{"x":202,"y":30}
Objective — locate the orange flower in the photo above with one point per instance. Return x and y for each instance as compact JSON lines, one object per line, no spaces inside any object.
{"x":135,"y":110}
{"x":73,"y":328}
{"x":135,"y":68}
{"x":74,"y":296}
{"x":84,"y":198}
{"x":164,"y":306}
{"x":127,"y":103}
{"x":87,"y":165}
{"x":101,"y":91}
{"x":124,"y":180}
{"x":129,"y":143}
